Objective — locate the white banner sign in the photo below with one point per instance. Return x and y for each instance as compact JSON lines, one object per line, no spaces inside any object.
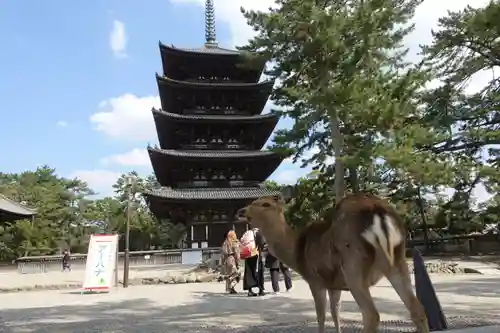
{"x":101,"y":265}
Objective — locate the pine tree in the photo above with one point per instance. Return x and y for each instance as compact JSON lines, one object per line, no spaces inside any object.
{"x":344,"y":81}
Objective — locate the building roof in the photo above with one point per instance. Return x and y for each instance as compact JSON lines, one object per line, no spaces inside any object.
{"x":218,"y":118}
{"x":212,"y":153}
{"x":173,"y":167}
{"x":267,"y":85}
{"x":176,"y":96}
{"x":12,"y":210}
{"x":206,"y":49}
{"x":236,"y":193}
{"x":169,"y":125}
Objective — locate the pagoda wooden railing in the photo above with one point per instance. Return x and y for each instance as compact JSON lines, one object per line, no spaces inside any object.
{"x":44,"y":264}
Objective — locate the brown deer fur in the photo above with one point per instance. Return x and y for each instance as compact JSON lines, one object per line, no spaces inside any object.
{"x":362,"y":241}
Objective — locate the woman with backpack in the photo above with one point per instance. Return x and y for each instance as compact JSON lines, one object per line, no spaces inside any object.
{"x":253,"y":248}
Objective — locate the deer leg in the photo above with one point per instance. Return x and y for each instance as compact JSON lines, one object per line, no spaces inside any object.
{"x":334,"y":296}
{"x":355,"y":280}
{"x":399,"y":278}
{"x":319,"y":296}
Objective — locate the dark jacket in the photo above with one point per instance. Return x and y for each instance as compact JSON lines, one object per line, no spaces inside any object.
{"x":260,"y":242}
{"x":272,"y":262}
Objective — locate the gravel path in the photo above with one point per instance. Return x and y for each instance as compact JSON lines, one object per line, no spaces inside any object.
{"x":466,"y":300}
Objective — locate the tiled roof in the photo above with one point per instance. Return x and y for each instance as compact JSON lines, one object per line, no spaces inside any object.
{"x":212,"y":153}
{"x":207,"y":48}
{"x":218,"y":117}
{"x":264,"y":84}
{"x":13,"y":207}
{"x":212,"y":193}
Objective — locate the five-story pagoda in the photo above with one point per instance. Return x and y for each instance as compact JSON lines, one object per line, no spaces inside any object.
{"x":211,"y":132}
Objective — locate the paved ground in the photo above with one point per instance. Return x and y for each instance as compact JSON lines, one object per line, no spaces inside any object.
{"x":204,"y":308}
{"x":13,"y":279}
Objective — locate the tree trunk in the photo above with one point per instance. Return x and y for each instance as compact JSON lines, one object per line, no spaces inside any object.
{"x":424,"y":219}
{"x":353,"y":179}
{"x":338,"y":144}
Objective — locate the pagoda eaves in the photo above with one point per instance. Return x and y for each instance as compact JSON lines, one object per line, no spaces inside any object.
{"x":210,"y":63}
{"x":177,"y":131}
{"x":220,"y":168}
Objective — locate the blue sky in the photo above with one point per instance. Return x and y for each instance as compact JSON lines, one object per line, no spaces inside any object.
{"x":78,"y":78}
{"x":59,"y":69}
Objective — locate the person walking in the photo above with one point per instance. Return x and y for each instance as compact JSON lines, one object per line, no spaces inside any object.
{"x":65,"y":261}
{"x":275,"y":266}
{"x":231,"y":261}
{"x":253,"y":276}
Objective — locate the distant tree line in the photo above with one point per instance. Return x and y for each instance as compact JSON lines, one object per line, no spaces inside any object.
{"x":67,"y":214}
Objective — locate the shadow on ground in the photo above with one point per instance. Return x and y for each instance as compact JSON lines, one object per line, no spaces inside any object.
{"x":215,"y":312}
{"x":473,"y":287}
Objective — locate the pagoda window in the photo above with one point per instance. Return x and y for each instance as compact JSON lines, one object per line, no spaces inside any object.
{"x":200,"y":183}
{"x":210,"y":214}
{"x":199,"y":233}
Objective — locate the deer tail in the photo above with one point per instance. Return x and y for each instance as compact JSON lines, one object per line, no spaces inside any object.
{"x":383,"y":234}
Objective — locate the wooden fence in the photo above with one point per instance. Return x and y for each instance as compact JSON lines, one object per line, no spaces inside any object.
{"x":463,"y":245}
{"x":43,"y":264}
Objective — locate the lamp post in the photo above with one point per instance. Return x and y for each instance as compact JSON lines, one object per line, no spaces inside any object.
{"x":129,"y":181}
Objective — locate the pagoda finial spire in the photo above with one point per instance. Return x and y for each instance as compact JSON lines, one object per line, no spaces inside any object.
{"x":210,"y":23}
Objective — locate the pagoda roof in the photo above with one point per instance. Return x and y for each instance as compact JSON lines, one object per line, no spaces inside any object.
{"x":206,"y":49}
{"x":249,"y":97}
{"x":225,"y":154}
{"x":209,"y":60}
{"x":210,"y":194}
{"x":266,"y":85}
{"x":167,"y":125}
{"x":11,"y":210}
{"x":169,"y":165}
{"x":217,"y":118}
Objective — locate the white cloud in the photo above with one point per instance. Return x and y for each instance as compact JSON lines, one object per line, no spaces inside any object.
{"x":118,"y":39}
{"x":135,"y":157}
{"x":426,"y":16}
{"x":101,"y":181}
{"x":127,"y":117}
{"x":287,"y":176}
{"x":62,"y":123}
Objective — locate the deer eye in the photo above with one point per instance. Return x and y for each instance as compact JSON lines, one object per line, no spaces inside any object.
{"x":266,"y":204}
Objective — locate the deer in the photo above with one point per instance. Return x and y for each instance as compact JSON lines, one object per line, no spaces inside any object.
{"x":361,"y":241}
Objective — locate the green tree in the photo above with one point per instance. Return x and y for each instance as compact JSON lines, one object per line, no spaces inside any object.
{"x":59,"y":202}
{"x":346,"y":86}
{"x":464,"y":46}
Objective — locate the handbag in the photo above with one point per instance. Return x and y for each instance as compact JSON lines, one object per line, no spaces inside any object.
{"x":248,"y":252}
{"x":245,"y":252}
